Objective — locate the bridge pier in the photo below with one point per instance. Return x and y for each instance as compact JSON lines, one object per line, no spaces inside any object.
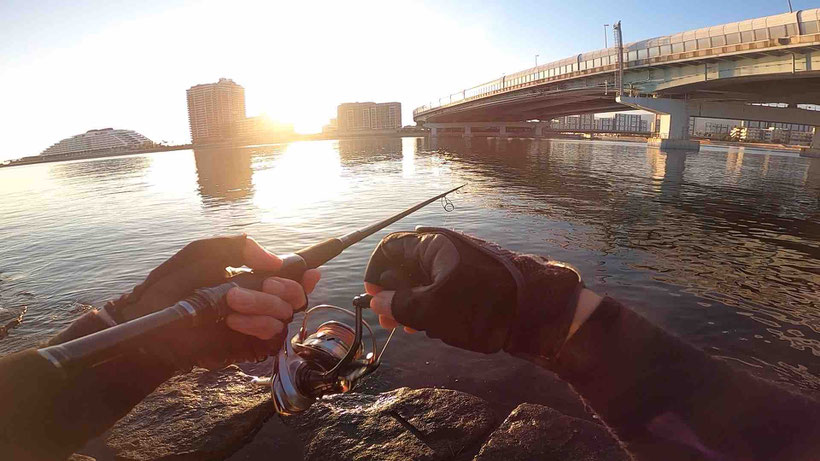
{"x":813,"y":150}
{"x":433,"y":131}
{"x":468,"y":131}
{"x":674,"y":118}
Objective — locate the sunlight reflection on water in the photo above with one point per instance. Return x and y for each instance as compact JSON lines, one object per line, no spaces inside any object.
{"x":720,"y":247}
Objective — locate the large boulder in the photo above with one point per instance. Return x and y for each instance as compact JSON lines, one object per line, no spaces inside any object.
{"x":202,"y":415}
{"x":403,"y":424}
{"x":536,"y":432}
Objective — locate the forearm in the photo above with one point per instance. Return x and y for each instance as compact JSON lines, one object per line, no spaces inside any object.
{"x":642,"y":381}
{"x":49,"y":416}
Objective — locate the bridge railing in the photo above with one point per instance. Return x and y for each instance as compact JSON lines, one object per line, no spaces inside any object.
{"x":754,"y":34}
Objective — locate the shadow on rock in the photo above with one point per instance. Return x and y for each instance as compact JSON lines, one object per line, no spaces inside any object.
{"x":417,"y":424}
{"x":198,"y":416}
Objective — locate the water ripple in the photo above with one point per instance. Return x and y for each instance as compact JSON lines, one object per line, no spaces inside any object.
{"x":721,"y":247}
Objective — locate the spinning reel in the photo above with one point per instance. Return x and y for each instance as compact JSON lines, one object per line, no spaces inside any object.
{"x":331,"y":360}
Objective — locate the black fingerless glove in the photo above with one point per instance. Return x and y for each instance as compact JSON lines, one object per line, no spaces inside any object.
{"x":201,"y":263}
{"x":474,"y":294}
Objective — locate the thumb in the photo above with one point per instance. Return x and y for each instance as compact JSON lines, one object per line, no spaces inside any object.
{"x":381,"y":303}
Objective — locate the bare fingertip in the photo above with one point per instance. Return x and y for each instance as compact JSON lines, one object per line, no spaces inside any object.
{"x":372,"y":288}
{"x":311,"y":279}
{"x":381,"y":302}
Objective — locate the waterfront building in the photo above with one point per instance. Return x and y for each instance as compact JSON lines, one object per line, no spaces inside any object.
{"x":99,"y":140}
{"x":215,"y":110}
{"x":364,"y":117}
{"x":586,"y":122}
{"x":766,"y":135}
{"x":716,"y":128}
{"x":569,"y":122}
{"x":331,"y":128}
{"x":800,"y":138}
{"x":781,"y":126}
{"x":627,"y":122}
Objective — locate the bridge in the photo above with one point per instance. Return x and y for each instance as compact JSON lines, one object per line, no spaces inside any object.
{"x":739,"y":71}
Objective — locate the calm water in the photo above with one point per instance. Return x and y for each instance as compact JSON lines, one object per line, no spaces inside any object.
{"x":721,"y":247}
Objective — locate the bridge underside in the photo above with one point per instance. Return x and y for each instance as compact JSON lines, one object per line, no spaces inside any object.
{"x":717,"y":86}
{"x":548,"y":103}
{"x":783,"y":75}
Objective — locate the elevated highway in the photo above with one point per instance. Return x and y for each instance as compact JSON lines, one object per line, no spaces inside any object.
{"x":718,"y":71}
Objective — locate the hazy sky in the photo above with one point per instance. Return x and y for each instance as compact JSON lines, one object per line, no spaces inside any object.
{"x":67,"y":67}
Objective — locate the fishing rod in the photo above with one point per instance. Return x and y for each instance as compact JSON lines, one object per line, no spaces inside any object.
{"x":206,"y":305}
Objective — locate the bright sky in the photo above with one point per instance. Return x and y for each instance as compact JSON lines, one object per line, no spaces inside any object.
{"x":67,"y":67}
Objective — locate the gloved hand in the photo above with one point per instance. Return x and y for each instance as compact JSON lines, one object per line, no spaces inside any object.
{"x":472,"y":294}
{"x":251,"y":332}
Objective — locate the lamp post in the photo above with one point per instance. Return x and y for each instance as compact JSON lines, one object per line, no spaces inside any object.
{"x":605,"y":44}
{"x":536,"y":60}
{"x":790,"y":6}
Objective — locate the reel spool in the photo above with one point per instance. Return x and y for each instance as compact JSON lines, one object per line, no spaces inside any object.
{"x":330,"y":360}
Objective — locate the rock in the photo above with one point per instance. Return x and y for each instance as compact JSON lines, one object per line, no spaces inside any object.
{"x":201,"y":415}
{"x":536,"y":432}
{"x":403,"y":424}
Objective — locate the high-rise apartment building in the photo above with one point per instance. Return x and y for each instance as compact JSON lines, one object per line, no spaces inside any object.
{"x":214,"y":110}
{"x":355,"y":117}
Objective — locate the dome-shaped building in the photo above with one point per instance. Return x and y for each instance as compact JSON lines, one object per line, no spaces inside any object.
{"x":96,"y":140}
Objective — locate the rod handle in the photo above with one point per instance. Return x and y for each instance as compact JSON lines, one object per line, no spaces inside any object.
{"x":295,"y":264}
{"x":322,"y":252}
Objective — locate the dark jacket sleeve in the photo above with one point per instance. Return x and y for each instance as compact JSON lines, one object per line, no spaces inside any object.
{"x":46,"y":415}
{"x":645,"y":383}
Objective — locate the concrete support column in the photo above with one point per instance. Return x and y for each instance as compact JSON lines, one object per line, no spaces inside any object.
{"x":502,"y":131}
{"x":468,"y":132}
{"x":433,"y":131}
{"x":814,"y":150}
{"x":674,"y":121}
{"x":538,"y":130}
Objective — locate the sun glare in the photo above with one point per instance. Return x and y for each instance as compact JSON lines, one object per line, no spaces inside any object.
{"x":306,"y":174}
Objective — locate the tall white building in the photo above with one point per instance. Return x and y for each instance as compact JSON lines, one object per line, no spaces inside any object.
{"x":95,"y":140}
{"x":215,"y":110}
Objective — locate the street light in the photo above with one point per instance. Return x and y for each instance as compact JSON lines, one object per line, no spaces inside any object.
{"x":605,"y":45}
{"x":536,"y":60}
{"x":790,"y":6}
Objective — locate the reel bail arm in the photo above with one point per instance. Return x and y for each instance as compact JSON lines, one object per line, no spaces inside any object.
{"x":301,"y":373}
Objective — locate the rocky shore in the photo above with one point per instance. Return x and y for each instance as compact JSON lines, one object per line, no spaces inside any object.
{"x":211,"y":415}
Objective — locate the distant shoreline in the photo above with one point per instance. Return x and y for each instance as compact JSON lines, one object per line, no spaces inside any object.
{"x":33,"y":160}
